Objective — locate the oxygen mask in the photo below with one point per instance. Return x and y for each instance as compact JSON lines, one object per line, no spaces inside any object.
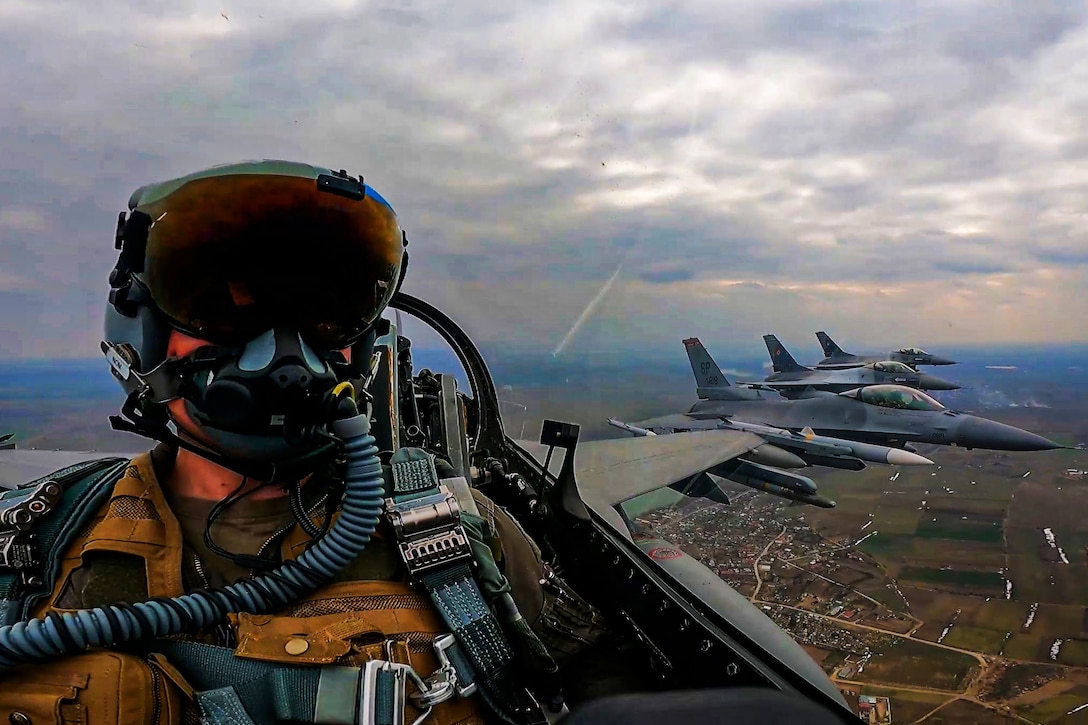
{"x":263,"y":400}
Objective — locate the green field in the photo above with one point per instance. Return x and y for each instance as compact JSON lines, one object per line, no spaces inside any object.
{"x":1054,"y":709}
{"x":950,"y":526}
{"x":1027,"y":647}
{"x":1074,"y":652}
{"x":954,"y":577}
{"x":1039,"y":504}
{"x":977,"y":509}
{"x":975,"y":638}
{"x":1075,"y":545}
{"x":1049,"y":582}
{"x":969,"y":553}
{"x":997,"y":614}
{"x":911,"y":663}
{"x":1058,"y":621}
{"x":893,"y":520}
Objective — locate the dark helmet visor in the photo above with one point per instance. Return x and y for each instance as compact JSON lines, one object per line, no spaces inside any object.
{"x":231,"y":256}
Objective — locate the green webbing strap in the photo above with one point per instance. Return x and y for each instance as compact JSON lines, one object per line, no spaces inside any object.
{"x":414,"y":474}
{"x":86,"y":487}
{"x":222,"y":707}
{"x":331,"y":705}
{"x":456,"y":595}
{"x":272,"y":691}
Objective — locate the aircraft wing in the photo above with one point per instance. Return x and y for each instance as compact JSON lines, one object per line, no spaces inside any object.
{"x":18,"y":466}
{"x":612,"y":471}
{"x":678,"y":420}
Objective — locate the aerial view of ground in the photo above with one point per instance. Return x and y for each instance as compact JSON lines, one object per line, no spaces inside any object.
{"x":955,"y":591}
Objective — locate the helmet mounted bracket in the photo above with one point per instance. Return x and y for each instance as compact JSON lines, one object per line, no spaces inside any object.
{"x":342,"y":185}
{"x":131,"y":239}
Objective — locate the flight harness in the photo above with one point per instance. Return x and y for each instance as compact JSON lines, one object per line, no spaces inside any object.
{"x":439,"y":544}
{"x":38,"y":521}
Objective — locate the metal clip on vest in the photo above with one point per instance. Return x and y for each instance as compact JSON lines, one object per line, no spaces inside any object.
{"x":17,"y":513}
{"x":384,"y":686}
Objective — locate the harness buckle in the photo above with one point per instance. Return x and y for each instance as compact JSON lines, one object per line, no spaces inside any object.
{"x":429,"y":531}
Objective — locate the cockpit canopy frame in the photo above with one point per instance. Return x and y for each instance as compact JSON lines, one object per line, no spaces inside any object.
{"x":891,"y":366}
{"x":898,"y":397}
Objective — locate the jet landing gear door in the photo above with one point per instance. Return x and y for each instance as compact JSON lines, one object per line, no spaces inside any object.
{"x":697,"y":631}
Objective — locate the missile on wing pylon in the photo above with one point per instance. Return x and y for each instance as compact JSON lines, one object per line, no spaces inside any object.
{"x":771,"y":480}
{"x":811,"y":499}
{"x":743,"y":471}
{"x":617,"y":423}
{"x":832,"y":452}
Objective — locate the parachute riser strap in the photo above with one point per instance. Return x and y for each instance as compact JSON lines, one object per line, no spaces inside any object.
{"x":435,"y":548}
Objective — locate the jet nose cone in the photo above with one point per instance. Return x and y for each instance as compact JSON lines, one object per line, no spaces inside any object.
{"x":937,"y":360}
{"x":982,"y":433}
{"x":932,"y":382}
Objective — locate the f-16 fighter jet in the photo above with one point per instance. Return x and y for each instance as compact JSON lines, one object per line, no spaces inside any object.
{"x":886,"y":415}
{"x":836,"y":358}
{"x":794,"y":380}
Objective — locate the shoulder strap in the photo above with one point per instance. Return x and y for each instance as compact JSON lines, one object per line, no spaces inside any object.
{"x":31,"y":550}
{"x":438,"y":553}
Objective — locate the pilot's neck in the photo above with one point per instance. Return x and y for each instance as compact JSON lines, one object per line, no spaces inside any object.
{"x":196,"y":477}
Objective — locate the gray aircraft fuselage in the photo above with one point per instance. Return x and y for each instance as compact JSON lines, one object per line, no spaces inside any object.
{"x":848,"y":416}
{"x":838,"y":362}
{"x":838,"y":381}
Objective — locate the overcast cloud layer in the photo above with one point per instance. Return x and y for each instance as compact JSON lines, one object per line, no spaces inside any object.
{"x":893,"y":173}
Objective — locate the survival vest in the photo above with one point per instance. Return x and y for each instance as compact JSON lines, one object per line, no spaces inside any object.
{"x":290,"y":665}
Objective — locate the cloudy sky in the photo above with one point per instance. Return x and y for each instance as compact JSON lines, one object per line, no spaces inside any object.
{"x":893,"y":173}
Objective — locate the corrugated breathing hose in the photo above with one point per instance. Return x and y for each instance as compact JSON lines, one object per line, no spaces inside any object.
{"x":60,"y":634}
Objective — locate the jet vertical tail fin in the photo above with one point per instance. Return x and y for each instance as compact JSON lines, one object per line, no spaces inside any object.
{"x":831,"y":348}
{"x":781,"y":359}
{"x":710,"y":382}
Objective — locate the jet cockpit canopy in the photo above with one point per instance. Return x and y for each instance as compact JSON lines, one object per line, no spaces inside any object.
{"x":913,"y":351}
{"x":895,"y":396}
{"x":890,"y":366}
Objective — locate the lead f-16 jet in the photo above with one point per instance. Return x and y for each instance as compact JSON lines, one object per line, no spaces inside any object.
{"x":835,"y":358}
{"x":886,"y":415}
{"x":794,"y":380}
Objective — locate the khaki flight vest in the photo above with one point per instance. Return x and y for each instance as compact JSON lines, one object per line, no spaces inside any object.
{"x":346,"y":623}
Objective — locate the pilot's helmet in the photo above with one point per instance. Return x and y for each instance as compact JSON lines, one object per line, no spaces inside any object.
{"x":232,"y":250}
{"x":234,"y":253}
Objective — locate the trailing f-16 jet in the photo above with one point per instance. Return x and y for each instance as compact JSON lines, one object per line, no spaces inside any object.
{"x":886,"y":415}
{"x":793,"y":380}
{"x":834,"y":357}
